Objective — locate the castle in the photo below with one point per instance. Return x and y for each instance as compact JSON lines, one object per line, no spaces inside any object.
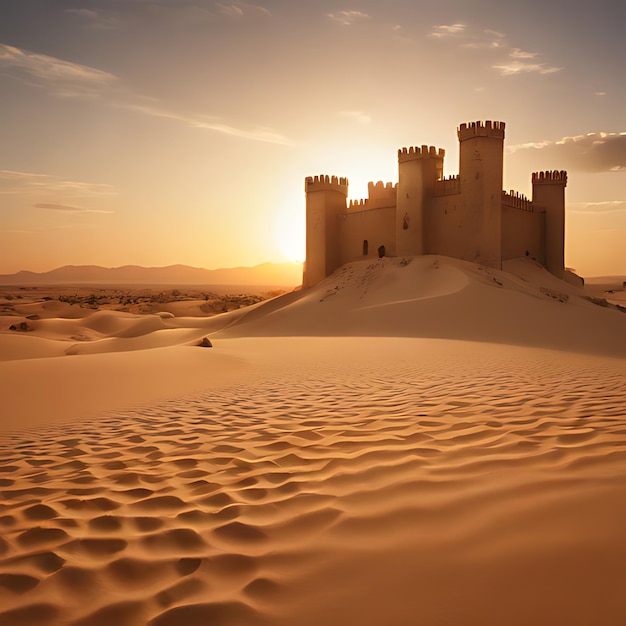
{"x":466,"y":216}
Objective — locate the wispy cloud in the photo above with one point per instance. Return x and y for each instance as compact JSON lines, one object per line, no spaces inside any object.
{"x":347,"y":18}
{"x":66,"y":207}
{"x":62,"y":77}
{"x":259,"y":133}
{"x":14,"y":182}
{"x":609,"y":206}
{"x":523,"y":62}
{"x":518,"y":66}
{"x":74,"y":80}
{"x":593,"y":152}
{"x":517,"y":61}
{"x":358,"y":116}
{"x":518,"y":53}
{"x":95,"y":19}
{"x":240,"y":9}
{"x":447,"y":30}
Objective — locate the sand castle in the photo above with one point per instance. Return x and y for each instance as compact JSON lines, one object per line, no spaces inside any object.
{"x":466,"y":216}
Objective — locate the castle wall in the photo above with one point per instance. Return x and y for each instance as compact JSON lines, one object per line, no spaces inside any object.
{"x":523,"y":233}
{"x":374,"y":226}
{"x":443,"y":225}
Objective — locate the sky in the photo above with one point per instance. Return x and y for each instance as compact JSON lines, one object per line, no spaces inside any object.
{"x":157,"y":132}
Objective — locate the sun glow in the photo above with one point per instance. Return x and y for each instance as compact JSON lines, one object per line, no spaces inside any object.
{"x":290,"y":230}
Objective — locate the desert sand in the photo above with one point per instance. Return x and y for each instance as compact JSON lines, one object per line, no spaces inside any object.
{"x":413,"y":441}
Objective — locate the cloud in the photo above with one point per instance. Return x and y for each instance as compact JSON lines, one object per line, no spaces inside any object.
{"x":522,"y":67}
{"x":13,"y":182}
{"x":608,"y":206}
{"x":518,"y":61}
{"x":358,"y":116}
{"x":593,"y":152}
{"x":95,"y":19}
{"x":74,"y":80}
{"x":66,"y":207}
{"x":517,"y":53}
{"x":494,"y":33}
{"x":600,"y":93}
{"x":524,"y":62}
{"x":447,"y":30}
{"x":239,"y":9}
{"x":259,"y":133}
{"x":347,"y":18}
{"x":63,"y":77}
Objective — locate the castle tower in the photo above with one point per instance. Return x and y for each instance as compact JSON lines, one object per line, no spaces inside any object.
{"x":549,"y":194}
{"x":481,"y":163}
{"x":418,"y":169}
{"x":325,"y":205}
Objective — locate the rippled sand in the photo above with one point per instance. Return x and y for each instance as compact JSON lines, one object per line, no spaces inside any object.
{"x":344,"y":481}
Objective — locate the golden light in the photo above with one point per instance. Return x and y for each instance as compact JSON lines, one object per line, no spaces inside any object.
{"x":290,"y":229}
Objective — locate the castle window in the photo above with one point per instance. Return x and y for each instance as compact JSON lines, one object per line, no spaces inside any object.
{"x":366,"y":246}
{"x":381,"y":252}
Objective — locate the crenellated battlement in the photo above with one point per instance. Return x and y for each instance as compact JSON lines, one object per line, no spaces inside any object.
{"x":555,"y":177}
{"x":423,"y":152}
{"x":516,"y":200}
{"x":381,"y":194}
{"x":447,"y":186}
{"x":325,"y":182}
{"x":481,"y":129}
{"x":379,"y":187}
{"x":358,"y":205}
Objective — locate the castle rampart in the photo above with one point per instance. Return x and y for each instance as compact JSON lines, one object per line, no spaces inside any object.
{"x":358,"y":205}
{"x":381,"y":194}
{"x":447,"y":186}
{"x":467,"y":216}
{"x":516,"y":200}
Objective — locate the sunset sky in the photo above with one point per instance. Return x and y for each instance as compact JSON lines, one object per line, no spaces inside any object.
{"x":156,"y":132}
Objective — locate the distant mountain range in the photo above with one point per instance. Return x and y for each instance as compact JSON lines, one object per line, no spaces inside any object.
{"x":267,"y":274}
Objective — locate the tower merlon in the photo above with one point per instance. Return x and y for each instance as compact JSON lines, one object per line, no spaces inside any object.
{"x":554,"y":177}
{"x":326,"y":183}
{"x":517,"y":200}
{"x":423,"y":152}
{"x":481,"y":129}
{"x":379,"y":186}
{"x":356,"y":205}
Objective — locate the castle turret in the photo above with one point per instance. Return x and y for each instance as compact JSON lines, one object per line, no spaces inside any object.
{"x":480,"y":169}
{"x":549,"y":194}
{"x":325,"y":206}
{"x":418,"y":169}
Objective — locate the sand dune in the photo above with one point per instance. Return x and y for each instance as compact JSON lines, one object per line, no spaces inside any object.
{"x":406,"y":473}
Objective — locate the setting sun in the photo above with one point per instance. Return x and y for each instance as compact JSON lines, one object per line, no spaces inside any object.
{"x":290,"y":229}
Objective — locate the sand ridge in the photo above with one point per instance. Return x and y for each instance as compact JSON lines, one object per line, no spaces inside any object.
{"x":331,"y":494}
